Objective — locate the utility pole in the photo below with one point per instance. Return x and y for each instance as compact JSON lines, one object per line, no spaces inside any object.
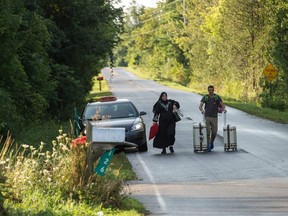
{"x":184,"y":12}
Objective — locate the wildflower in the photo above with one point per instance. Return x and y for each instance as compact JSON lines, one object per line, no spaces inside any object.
{"x":41,"y":146}
{"x":54,"y":154}
{"x":55,"y":168}
{"x":100,"y":213}
{"x":67,"y":139}
{"x":79,"y":141}
{"x":59,"y":138}
{"x":48,"y":155}
{"x":54,"y":142}
{"x":25,"y":146}
{"x":34,"y":152}
{"x":45,"y":172}
{"x":65,"y":148}
{"x":60,"y":131}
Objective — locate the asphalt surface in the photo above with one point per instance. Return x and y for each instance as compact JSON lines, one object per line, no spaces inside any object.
{"x":250,"y":181}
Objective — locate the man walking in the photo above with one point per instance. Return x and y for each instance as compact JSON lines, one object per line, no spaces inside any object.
{"x":212,"y":103}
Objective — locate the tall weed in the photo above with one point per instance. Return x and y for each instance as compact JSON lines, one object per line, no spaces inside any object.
{"x":59,"y":174}
{"x":3,"y":186}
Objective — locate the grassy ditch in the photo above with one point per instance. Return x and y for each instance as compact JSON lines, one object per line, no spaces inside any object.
{"x":44,"y":173}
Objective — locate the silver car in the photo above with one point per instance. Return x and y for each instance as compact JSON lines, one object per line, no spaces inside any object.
{"x":113,"y":112}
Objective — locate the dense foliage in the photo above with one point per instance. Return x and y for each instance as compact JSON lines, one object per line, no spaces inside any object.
{"x":50,"y":51}
{"x":224,"y":42}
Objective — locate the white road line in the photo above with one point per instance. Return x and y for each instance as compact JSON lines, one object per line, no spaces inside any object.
{"x":160,"y":200}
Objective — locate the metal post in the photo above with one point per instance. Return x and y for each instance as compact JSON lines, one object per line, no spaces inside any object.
{"x":184,"y":12}
{"x":76,"y":125}
{"x":100,"y":89}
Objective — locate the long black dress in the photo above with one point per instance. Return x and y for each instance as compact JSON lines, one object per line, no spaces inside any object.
{"x":166,"y":133}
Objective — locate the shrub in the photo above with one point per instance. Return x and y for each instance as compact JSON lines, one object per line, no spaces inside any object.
{"x":59,"y":173}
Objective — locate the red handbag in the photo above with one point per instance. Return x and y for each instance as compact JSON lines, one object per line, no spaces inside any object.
{"x":153,"y":130}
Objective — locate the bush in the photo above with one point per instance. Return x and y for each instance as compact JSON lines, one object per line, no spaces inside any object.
{"x":274,"y":94}
{"x":59,"y":176}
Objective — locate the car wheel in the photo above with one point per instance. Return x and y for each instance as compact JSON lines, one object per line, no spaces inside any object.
{"x":143,"y":147}
{"x":118,"y":150}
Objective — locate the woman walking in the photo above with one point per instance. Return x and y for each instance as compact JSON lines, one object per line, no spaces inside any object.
{"x":164,"y":110}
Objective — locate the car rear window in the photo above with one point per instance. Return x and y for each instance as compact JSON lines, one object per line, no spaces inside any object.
{"x":110,"y":111}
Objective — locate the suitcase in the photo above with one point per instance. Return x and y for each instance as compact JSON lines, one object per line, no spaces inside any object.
{"x":229,"y":136}
{"x":200,"y":142}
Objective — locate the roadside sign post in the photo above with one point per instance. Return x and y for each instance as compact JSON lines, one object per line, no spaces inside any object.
{"x":100,"y":78}
{"x":76,"y":125}
{"x":270,"y":72}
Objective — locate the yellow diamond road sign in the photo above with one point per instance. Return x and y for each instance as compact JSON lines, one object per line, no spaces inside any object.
{"x":270,"y":72}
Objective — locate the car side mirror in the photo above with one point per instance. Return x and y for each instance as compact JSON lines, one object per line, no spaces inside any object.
{"x":143,"y":113}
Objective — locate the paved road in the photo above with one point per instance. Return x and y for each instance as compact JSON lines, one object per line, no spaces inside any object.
{"x":251,"y":181}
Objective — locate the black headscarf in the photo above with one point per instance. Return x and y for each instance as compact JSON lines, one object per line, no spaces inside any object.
{"x":160,"y":97}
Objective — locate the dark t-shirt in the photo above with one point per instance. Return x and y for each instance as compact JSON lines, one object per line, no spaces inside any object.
{"x":211,"y":105}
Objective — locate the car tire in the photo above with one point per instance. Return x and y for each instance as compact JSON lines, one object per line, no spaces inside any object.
{"x":118,"y":150}
{"x":143,"y":147}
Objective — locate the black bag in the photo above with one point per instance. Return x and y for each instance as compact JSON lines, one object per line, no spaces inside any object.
{"x":177,"y":116}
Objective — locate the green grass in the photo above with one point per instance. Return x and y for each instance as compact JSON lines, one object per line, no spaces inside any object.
{"x":44,"y":131}
{"x":122,"y":167}
{"x":43,"y":206}
{"x":263,"y":112}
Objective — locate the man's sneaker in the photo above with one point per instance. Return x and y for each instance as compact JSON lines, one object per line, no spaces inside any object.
{"x":171,"y":149}
{"x":208,"y":148}
{"x":163,"y":151}
{"x":212,"y":146}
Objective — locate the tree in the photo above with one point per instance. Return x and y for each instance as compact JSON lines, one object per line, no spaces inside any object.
{"x":84,"y":33}
{"x":24,"y":71}
{"x":50,"y":51}
{"x":224,"y":42}
{"x":277,"y":98}
{"x":150,"y":41}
